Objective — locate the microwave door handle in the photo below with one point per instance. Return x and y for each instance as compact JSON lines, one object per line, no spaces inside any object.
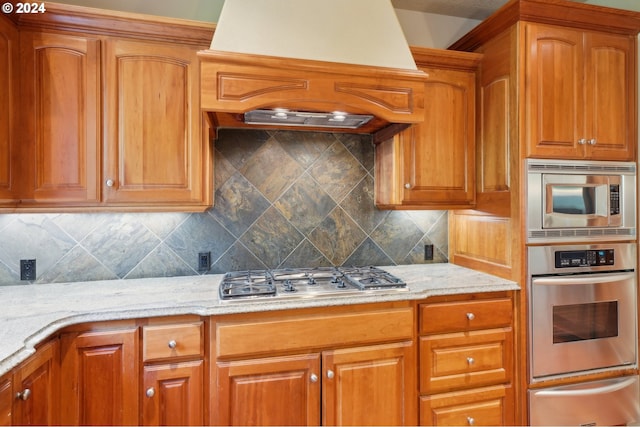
{"x":589,"y":391}
{"x":582,"y":280}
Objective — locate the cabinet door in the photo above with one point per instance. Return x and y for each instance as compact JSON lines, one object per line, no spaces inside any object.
{"x":554,"y":93}
{"x":154,"y":152}
{"x":172,"y":394}
{"x":274,"y":391}
{"x":432,"y":164}
{"x":35,"y":388}
{"x":9,"y":74}
{"x":99,"y":378}
{"x":60,"y":107}
{"x":369,"y":386}
{"x":440,"y":157}
{"x":6,"y":400}
{"x":610,"y":109}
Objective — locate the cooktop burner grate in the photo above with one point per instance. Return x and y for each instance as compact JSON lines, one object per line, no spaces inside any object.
{"x":305,"y":282}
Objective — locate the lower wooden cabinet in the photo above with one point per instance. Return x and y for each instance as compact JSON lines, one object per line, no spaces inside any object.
{"x":173,"y":394}
{"x":269,"y":391}
{"x":99,"y":373}
{"x":6,"y":400}
{"x":466,"y":355}
{"x":35,"y":400}
{"x":338,"y":366}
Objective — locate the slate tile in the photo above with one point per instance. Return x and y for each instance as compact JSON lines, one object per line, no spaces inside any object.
{"x":8,"y":277}
{"x":238,"y":204}
{"x":272,"y":238}
{"x":163,"y":224}
{"x":368,"y":253}
{"x":416,"y":256}
{"x":78,"y":259}
{"x":162,"y":262}
{"x":359,"y":204}
{"x":305,"y":204}
{"x":361,"y":147}
{"x":305,"y":255}
{"x":271,"y":170}
{"x":305,"y":147}
{"x":337,"y":236}
{"x":237,"y":258}
{"x":121,"y":243}
{"x":238,"y":145}
{"x":397,"y":235}
{"x":427,"y":219}
{"x":337,"y":171}
{"x":199,"y":233}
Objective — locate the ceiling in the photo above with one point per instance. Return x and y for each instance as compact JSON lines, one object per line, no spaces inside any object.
{"x":209,"y":10}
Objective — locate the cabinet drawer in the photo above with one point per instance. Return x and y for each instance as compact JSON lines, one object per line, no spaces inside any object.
{"x":465,"y":315}
{"x":464,"y":360}
{"x":172,"y":341}
{"x":482,"y":407}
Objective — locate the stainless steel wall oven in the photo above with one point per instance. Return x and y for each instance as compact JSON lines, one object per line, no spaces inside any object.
{"x":582,"y":319}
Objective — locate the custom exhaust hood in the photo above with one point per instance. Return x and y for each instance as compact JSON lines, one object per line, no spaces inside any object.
{"x":334,"y":65}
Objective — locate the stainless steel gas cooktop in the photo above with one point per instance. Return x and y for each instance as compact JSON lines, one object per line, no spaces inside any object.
{"x":306,"y":282}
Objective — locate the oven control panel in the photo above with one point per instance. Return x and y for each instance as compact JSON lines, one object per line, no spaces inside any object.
{"x":585,"y":258}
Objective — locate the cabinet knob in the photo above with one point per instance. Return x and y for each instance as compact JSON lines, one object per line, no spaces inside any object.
{"x":471,"y":316}
{"x":592,"y":141}
{"x":24,"y":394}
{"x":313,"y":378}
{"x":172,"y":344}
{"x":470,"y":360}
{"x":330,"y":374}
{"x":110,"y":183}
{"x":582,"y":141}
{"x":151,"y":392}
{"x":471,"y":421}
{"x":407,"y":186}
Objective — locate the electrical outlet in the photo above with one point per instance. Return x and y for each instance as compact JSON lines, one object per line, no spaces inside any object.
{"x":428,"y":252}
{"x":204,"y":261}
{"x":28,"y":269}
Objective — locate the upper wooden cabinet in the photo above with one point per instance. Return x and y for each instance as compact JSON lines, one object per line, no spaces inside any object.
{"x":432,"y":164}
{"x":153,"y":150}
{"x":60,"y":117}
{"x":108,"y":115}
{"x":9,"y":71}
{"x":580,"y":100}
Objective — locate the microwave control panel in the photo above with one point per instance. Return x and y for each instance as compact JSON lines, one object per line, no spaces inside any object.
{"x":586,"y":258}
{"x":614,"y":199}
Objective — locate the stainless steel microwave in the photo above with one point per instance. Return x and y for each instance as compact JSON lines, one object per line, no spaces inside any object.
{"x":575,"y":200}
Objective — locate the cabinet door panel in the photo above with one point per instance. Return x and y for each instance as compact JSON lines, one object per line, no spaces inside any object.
{"x":173,"y":394}
{"x":61,"y":122}
{"x":100,"y":378}
{"x":154,"y":151}
{"x":9,"y":63}
{"x":272,"y":391}
{"x":6,"y":401}
{"x":554,"y":93}
{"x":39,"y":376}
{"x":369,"y":386}
{"x":610,"y":109}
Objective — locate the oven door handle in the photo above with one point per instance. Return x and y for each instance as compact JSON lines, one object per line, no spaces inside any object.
{"x":583,"y":279}
{"x":619,"y":385}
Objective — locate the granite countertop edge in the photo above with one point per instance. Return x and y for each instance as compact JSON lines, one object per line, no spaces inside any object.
{"x":32,"y":313}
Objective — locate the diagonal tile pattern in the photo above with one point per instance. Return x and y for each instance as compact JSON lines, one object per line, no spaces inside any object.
{"x":283,"y":199}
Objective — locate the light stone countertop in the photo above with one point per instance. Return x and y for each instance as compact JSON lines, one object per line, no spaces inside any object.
{"x":31,"y":313}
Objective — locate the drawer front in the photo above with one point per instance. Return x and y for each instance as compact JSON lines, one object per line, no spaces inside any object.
{"x":465,"y":360}
{"x":491,"y":406}
{"x":465,"y":315}
{"x":164,"y":342}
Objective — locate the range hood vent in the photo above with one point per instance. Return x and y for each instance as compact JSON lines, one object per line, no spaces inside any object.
{"x":311,"y":59}
{"x":302,"y":118}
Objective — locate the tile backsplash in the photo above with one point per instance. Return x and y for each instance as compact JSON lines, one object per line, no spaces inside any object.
{"x":283,"y":199}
